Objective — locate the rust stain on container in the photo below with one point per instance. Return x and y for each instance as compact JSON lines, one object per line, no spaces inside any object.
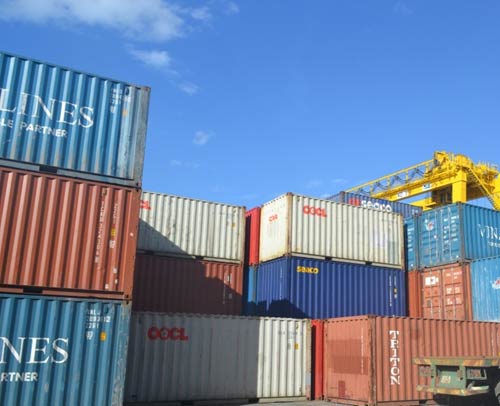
{"x":65,"y":236}
{"x":381,"y":350}
{"x":442,"y":292}
{"x":165,"y":284}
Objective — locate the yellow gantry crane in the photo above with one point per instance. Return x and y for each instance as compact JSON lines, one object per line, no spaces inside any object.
{"x":448,"y":178}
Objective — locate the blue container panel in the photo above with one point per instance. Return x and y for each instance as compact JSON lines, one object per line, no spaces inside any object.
{"x":355,"y":199}
{"x":249,"y":291}
{"x":311,"y":288}
{"x":485,"y":285}
{"x":481,"y":230}
{"x":58,"y":351}
{"x":411,"y":243}
{"x":84,"y":125}
{"x":440,"y":239}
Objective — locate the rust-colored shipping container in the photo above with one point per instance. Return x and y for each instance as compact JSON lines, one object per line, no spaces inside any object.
{"x":317,"y":333}
{"x":368,"y":360}
{"x":441,"y":292}
{"x":252,"y":236}
{"x":66,"y":237}
{"x":176,"y":285}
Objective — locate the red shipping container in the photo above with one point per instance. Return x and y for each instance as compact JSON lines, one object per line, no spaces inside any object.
{"x":368,"y":360}
{"x":441,"y":292}
{"x":175,"y":285}
{"x":317,"y":333}
{"x":252,"y":236}
{"x":66,"y":237}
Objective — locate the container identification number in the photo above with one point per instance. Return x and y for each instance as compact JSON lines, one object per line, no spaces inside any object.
{"x":308,"y":269}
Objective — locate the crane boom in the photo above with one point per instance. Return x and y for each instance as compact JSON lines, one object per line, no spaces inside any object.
{"x":449,"y":178}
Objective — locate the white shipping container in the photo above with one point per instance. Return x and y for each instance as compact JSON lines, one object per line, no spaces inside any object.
{"x":183,"y":357}
{"x":180,"y":226}
{"x":305,"y":226}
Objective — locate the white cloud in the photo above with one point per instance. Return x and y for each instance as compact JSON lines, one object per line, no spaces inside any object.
{"x":153,"y":58}
{"x":232,"y":8}
{"x":402,"y":9}
{"x":201,"y":14}
{"x":314,"y":184}
{"x":201,"y":138}
{"x":152,"y":19}
{"x":188,"y":88}
{"x":184,"y":164}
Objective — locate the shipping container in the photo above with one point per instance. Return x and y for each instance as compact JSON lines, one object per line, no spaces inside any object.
{"x":357,"y":199}
{"x":66,"y":236}
{"x":60,"y":351}
{"x":164,"y":284}
{"x":182,"y":357}
{"x":485,"y":281}
{"x":411,"y":243}
{"x":318,"y":289}
{"x":458,"y":232}
{"x":252,"y":236}
{"x":184,"y":227}
{"x":250,"y":290}
{"x":77,"y":124}
{"x":368,"y":359}
{"x":441,"y":292}
{"x":317,"y":334}
{"x":306,"y":226}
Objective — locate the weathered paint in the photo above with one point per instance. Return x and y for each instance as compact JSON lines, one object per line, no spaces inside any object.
{"x":356,"y":199}
{"x":182,"y":357}
{"x":458,"y":232}
{"x":306,"y":226}
{"x":163,"y":284}
{"x":78,"y":124}
{"x":369,"y":360}
{"x":185,"y":227}
{"x":66,"y":236}
{"x":60,"y":351}
{"x":485,"y":280}
{"x":312,"y":288}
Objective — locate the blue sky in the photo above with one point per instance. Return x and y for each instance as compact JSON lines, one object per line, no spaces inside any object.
{"x":251,"y":99}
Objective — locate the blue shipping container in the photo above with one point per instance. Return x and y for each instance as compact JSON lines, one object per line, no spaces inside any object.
{"x":458,"y":232}
{"x":79,"y":124}
{"x":249,"y":290}
{"x":59,"y":351}
{"x":411,"y":241}
{"x":355,"y":199}
{"x":319,"y":289}
{"x":485,"y":286}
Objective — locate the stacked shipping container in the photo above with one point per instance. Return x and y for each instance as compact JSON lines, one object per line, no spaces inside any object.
{"x":71,"y":158}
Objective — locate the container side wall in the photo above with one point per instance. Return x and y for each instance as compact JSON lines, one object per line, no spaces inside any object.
{"x":60,"y":351}
{"x":250,"y":291}
{"x":179,"y":226}
{"x":485,"y":276}
{"x":252,"y":236}
{"x":274,"y":228}
{"x":84,"y":125}
{"x":411,"y":243}
{"x":164,"y":284}
{"x":481,"y":232}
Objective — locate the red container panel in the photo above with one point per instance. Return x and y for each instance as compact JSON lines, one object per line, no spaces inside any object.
{"x":317,"y":333}
{"x":252,"y":236}
{"x":164,"y":284}
{"x":65,"y":236}
{"x":368,"y":360}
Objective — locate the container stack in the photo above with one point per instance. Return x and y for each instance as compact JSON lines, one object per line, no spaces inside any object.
{"x":456,"y":264}
{"x":320,"y":259}
{"x":71,"y":158}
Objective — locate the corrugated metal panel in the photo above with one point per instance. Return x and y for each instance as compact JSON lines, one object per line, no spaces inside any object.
{"x":317,"y":333}
{"x":163,"y":284}
{"x":355,"y":199}
{"x":318,"y":289}
{"x":180,"y":357}
{"x":369,"y":359}
{"x":66,"y":236}
{"x":93,"y":127}
{"x":458,"y":232}
{"x":181,"y":226}
{"x":299,"y":225}
{"x":59,"y":351}
{"x":252,"y":236}
{"x":485,"y":281}
{"x":411,"y":243}
{"x":446,"y":292}
{"x":250,"y":290}
{"x":414,"y":283}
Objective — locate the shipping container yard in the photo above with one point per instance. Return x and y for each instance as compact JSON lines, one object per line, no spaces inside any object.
{"x":112,"y":295}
